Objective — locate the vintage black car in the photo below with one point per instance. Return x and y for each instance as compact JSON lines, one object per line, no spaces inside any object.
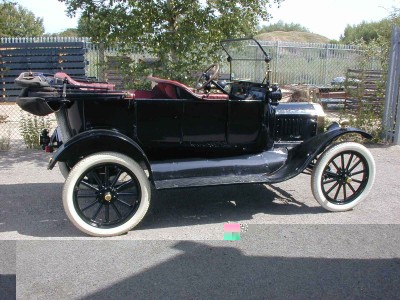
{"x":114,"y":145}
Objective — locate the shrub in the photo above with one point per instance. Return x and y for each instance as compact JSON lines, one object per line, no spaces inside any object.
{"x":30,"y":128}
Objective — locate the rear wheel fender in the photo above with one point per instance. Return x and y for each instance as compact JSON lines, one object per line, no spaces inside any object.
{"x":98,"y":140}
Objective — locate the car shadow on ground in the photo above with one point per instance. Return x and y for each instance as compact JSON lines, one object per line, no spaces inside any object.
{"x":230,"y":274}
{"x":8,"y":286}
{"x":205,"y":205}
{"x":36,"y":209}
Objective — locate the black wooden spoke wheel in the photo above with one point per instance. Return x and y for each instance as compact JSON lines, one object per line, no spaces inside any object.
{"x":106,"y":194}
{"x":343,"y":176}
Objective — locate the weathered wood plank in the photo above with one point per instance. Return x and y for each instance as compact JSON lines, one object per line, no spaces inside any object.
{"x":43,"y":45}
{"x":42,"y":65}
{"x":363,"y":85}
{"x":10,"y":92}
{"x":52,"y":51}
{"x":15,"y":73}
{"x":37,"y":59}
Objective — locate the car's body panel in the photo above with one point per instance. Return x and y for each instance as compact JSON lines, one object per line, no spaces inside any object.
{"x":217,"y":171}
{"x":265,"y":167}
{"x":300,"y":157}
{"x":97,"y":140}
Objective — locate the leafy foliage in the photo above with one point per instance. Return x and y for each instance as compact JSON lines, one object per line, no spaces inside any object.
{"x":30,"y":128}
{"x":368,"y":116}
{"x":4,"y":140}
{"x":3,"y":118}
{"x":70,"y":32}
{"x":374,"y":40}
{"x":281,"y":26}
{"x":370,"y":31}
{"x":16,"y":21}
{"x":183,"y":34}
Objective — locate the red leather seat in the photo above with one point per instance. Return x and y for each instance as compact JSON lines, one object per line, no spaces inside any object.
{"x":86,"y":85}
{"x":169,"y":89}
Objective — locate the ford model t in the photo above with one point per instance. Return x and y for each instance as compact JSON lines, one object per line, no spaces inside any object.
{"x":114,"y":145}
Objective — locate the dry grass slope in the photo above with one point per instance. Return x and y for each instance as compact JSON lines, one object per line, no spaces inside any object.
{"x":292,"y":36}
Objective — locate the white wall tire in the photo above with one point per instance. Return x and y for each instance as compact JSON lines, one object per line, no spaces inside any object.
{"x":343,"y":176}
{"x":106,"y":194}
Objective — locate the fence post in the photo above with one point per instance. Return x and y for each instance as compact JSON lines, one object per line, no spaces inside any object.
{"x":326,"y":64}
{"x":102,"y":61}
{"x":276,"y":63}
{"x":392,"y":109}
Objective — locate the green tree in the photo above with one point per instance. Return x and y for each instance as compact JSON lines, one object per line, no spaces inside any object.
{"x":17,"y":21}
{"x":184,"y":34}
{"x":374,"y":39}
{"x":367,"y":31}
{"x":69,"y":32}
{"x":282,"y":26}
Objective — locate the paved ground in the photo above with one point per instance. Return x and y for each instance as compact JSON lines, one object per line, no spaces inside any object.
{"x":7,"y":269}
{"x":270,"y":262}
{"x":293,"y":249}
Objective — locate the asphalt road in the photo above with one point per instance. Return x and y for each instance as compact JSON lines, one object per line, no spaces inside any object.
{"x":269,"y":262}
{"x":293,"y":248}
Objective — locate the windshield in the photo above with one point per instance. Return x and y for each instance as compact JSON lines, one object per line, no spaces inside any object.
{"x":248,"y":60}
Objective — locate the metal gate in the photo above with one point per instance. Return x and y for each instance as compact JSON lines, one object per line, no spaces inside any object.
{"x":391,"y":115}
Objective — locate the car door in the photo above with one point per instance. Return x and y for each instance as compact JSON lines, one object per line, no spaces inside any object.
{"x":246,"y":121}
{"x":158,"y":122}
{"x":204,"y":123}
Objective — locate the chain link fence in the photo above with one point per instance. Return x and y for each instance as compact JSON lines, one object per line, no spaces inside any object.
{"x":292,"y":63}
{"x":315,"y":64}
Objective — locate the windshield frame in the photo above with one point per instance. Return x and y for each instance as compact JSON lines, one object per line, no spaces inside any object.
{"x":224,"y":43}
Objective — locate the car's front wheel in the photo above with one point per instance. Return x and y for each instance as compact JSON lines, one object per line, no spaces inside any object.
{"x":106,"y":194}
{"x":343,"y":176}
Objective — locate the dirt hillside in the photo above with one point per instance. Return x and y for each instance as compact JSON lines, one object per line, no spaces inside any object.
{"x":292,"y":36}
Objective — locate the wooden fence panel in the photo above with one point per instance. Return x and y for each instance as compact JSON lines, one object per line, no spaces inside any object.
{"x":43,"y":57}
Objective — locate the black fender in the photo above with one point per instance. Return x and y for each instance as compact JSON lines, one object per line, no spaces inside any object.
{"x":98,"y":140}
{"x":300,"y":156}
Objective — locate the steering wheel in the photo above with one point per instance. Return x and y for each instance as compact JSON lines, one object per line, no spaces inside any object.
{"x":210,"y":74}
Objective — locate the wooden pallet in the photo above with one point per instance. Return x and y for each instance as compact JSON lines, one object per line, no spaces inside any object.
{"x":364,"y":87}
{"x":114,"y":73}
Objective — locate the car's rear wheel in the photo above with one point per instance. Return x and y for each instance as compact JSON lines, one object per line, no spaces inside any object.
{"x":343,"y":176}
{"x":106,"y":194}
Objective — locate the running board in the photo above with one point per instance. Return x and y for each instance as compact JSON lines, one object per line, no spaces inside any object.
{"x":252,"y":168}
{"x":210,"y":181}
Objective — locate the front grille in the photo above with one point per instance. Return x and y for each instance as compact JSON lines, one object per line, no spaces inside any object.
{"x":294,"y":128}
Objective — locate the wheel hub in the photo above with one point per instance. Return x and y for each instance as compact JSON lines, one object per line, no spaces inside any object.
{"x":108,"y":197}
{"x":345,"y":176}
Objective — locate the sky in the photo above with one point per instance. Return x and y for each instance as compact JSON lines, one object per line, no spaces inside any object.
{"x":325,"y":17}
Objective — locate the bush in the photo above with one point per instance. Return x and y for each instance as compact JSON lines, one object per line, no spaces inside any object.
{"x":5,"y":142}
{"x":30,"y":128}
